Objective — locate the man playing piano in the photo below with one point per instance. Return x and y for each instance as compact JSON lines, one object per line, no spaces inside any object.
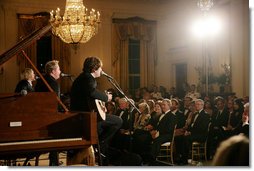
{"x":83,"y":95}
{"x":53,"y":72}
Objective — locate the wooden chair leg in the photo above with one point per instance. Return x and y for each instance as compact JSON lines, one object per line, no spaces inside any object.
{"x":37,"y":160}
{"x":172,"y":153}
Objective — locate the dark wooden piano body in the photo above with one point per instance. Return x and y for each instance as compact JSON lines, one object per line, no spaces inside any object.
{"x":32,"y":124}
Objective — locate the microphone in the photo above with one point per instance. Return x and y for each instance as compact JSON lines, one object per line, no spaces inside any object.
{"x":66,"y":75}
{"x":37,"y":77}
{"x":23,"y":92}
{"x":106,"y":75}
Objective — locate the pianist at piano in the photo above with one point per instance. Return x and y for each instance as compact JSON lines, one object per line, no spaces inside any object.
{"x":53,"y":72}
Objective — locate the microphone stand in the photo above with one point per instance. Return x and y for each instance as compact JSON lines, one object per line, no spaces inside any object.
{"x":120,"y":90}
{"x":130,"y":111}
{"x":71,"y":78}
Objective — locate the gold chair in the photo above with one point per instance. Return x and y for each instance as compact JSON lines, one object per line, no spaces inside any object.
{"x":199,"y":149}
{"x":166,"y":150}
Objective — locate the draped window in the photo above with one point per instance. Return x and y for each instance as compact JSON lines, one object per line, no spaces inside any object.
{"x":140,"y":29}
{"x":27,"y":23}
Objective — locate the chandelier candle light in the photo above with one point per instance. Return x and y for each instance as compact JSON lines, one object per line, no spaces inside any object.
{"x":205,"y":5}
{"x":77,"y":25}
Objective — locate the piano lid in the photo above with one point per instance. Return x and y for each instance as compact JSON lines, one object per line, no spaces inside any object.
{"x":24,"y":43}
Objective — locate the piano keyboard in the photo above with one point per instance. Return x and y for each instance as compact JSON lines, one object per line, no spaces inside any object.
{"x":40,"y":141}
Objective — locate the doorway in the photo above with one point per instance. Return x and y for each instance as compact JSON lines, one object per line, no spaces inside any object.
{"x":181,"y":79}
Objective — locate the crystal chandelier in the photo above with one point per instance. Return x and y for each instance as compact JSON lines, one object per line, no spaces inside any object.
{"x":77,"y":25}
{"x":205,"y":5}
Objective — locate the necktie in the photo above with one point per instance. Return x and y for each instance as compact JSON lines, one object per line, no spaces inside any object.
{"x":218,"y":114}
{"x":162,"y":115}
{"x":195,"y":118}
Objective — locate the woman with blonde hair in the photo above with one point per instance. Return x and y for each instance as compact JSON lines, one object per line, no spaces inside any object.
{"x":142,"y":120}
{"x":26,"y":83}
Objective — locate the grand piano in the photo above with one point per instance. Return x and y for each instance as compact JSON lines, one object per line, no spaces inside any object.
{"x":31,"y":124}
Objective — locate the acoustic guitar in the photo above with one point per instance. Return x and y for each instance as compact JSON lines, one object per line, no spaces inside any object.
{"x":101,"y":108}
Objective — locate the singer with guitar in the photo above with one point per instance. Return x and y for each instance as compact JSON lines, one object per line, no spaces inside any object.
{"x":84,"y":93}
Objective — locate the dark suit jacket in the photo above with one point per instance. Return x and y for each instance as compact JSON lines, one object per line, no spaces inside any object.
{"x":23,"y":85}
{"x":219,"y":120}
{"x":180,"y":119}
{"x":166,"y":125}
{"x":126,"y":116}
{"x":241,"y":129}
{"x":166,"y":128}
{"x":41,"y":86}
{"x":84,"y":93}
{"x":154,"y":119}
{"x":199,"y":130}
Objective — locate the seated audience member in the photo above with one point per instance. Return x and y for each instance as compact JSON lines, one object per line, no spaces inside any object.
{"x":151,"y":105}
{"x":142,"y":137}
{"x":197,"y":130}
{"x":28,"y":77}
{"x":123,"y":113}
{"x":155,"y":115}
{"x":243,"y":127}
{"x":137,"y":95}
{"x":121,"y":139}
{"x":237,"y":114}
{"x":192,"y":111}
{"x":163,"y":132}
{"x":246,"y":99}
{"x":111,"y":108}
{"x":208,"y":108}
{"x":179,"y":114}
{"x":180,"y":121}
{"x":193,"y":93}
{"x":219,"y":120}
{"x":186,"y":104}
{"x":232,"y":152}
{"x":156,"y":94}
{"x":142,"y":120}
{"x":235,"y":118}
{"x":140,"y":124}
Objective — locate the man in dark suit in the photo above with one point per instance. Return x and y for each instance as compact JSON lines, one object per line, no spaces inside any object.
{"x":83,"y":94}
{"x":164,"y":130}
{"x":243,"y":126}
{"x":198,"y":129}
{"x":180,"y":121}
{"x":219,"y":120}
{"x":53,"y":72}
{"x":122,"y":138}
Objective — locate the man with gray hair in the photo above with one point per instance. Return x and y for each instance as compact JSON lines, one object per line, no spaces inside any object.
{"x":53,"y":72}
{"x":197,"y":130}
